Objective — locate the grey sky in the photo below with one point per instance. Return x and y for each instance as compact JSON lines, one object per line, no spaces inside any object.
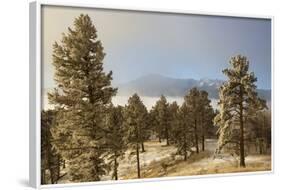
{"x":175,"y":45}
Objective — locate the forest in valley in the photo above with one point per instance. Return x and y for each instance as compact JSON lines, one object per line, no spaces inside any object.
{"x":85,"y":137}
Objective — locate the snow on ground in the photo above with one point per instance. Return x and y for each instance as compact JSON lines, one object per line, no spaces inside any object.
{"x":196,"y":164}
{"x":157,"y":154}
{"x":154,"y":152}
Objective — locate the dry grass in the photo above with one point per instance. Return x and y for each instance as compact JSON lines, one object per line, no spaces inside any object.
{"x":200,"y":164}
{"x":184,"y":169}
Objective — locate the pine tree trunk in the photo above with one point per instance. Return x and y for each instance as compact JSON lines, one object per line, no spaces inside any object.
{"x":138,"y":160}
{"x":142,"y":147}
{"x":159,"y":138}
{"x":203,"y":142}
{"x":265,"y":134}
{"x":260,"y":146}
{"x":185,"y":149}
{"x":242,"y":152}
{"x":196,"y":137}
{"x":58,"y":169}
{"x":203,"y":132}
{"x":167,"y":136}
{"x":115,"y":168}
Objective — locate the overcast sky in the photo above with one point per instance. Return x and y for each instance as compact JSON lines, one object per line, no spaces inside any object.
{"x":174,"y":45}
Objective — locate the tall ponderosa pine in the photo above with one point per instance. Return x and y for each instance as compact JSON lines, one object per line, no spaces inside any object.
{"x":206,"y":116}
{"x":135,"y":116}
{"x":238,"y":97}
{"x":115,"y":137}
{"x":146,"y":131}
{"x":173,"y":116}
{"x":162,"y":113}
{"x":183,"y":131}
{"x":192,"y":100}
{"x":82,"y":93}
{"x":153,"y":123}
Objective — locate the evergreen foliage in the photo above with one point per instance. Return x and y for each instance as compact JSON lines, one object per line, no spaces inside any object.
{"x":173,"y":117}
{"x":238,"y":101}
{"x":192,"y":101}
{"x":115,"y":137}
{"x":135,"y":116}
{"x":193,"y":120}
{"x":50,"y":159}
{"x":82,"y":94}
{"x":162,"y":116}
{"x":206,"y":116}
{"x":183,"y":131}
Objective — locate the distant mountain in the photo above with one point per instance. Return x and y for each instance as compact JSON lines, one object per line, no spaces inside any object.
{"x":154,"y":85}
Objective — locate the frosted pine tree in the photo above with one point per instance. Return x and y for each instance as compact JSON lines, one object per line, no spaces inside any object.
{"x":83,"y":90}
{"x":238,"y":99}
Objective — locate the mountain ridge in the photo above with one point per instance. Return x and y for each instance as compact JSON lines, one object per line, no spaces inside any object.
{"x":155,"y":85}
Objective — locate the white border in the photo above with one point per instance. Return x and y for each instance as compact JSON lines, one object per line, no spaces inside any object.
{"x":35,"y":104}
{"x":35,"y":94}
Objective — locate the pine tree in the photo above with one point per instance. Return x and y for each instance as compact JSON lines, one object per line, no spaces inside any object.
{"x":206,"y":116}
{"x":258,"y":130}
{"x":183,"y":131}
{"x":192,"y":100}
{"x":145,"y":131}
{"x":114,"y":137}
{"x":238,"y":97}
{"x":162,"y":113}
{"x":173,"y":116}
{"x":83,"y":91}
{"x":153,"y":123}
{"x":135,"y":116}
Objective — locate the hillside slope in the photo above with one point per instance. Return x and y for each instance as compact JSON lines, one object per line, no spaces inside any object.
{"x":162,"y":163}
